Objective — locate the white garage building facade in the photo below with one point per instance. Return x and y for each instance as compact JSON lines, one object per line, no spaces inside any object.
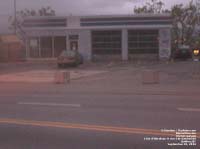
{"x":122,"y":37}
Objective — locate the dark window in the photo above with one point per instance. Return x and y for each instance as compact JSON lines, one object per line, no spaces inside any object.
{"x":53,"y":22}
{"x":131,"y":20}
{"x":73,"y":37}
{"x":59,"y":45}
{"x":46,"y":46}
{"x":106,"y":42}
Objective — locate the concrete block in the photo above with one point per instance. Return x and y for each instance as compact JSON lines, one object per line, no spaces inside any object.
{"x":150,"y":77}
{"x":62,"y":77}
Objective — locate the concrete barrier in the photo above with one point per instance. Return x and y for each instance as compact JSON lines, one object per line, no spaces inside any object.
{"x":150,"y":77}
{"x":62,"y":77}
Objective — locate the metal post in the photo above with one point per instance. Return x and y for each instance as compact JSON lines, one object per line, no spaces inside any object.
{"x":26,"y":44}
{"x":39,"y":47}
{"x":15,"y":17}
{"x":53,"y":46}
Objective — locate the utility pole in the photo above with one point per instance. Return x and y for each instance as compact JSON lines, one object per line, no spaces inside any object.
{"x":15,"y":17}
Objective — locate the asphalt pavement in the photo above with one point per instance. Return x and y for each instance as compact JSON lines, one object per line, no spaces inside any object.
{"x":112,"y":110}
{"x":84,"y":120}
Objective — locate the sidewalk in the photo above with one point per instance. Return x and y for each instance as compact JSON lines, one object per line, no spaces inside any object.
{"x":175,"y":79}
{"x":17,"y":90}
{"x":44,"y":76}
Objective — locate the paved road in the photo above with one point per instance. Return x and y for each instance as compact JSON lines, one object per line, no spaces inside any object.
{"x":87,"y":120}
{"x":108,"y":111}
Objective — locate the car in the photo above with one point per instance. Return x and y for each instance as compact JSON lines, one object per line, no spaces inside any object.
{"x":69,"y":58}
{"x":183,"y":52}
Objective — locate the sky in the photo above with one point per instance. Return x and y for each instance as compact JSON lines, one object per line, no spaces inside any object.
{"x":80,"y":7}
{"x":74,"y":7}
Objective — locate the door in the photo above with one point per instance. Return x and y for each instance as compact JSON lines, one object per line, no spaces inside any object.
{"x":73,"y":42}
{"x":74,"y":45}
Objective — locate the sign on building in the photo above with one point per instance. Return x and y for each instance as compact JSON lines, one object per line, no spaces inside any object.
{"x":164,"y":43}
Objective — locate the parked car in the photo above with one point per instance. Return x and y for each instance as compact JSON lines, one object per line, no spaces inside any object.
{"x":69,"y":58}
{"x":183,"y":52}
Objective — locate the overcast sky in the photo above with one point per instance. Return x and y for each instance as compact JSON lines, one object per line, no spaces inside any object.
{"x":80,"y":7}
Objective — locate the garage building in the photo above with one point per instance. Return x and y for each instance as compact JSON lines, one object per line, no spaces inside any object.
{"x":122,"y":37}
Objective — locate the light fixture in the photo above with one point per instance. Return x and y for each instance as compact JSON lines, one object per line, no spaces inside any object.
{"x":196,"y":52}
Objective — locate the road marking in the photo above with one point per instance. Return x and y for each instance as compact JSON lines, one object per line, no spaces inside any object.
{"x":112,"y":129}
{"x":50,"y":104}
{"x":189,"y":109}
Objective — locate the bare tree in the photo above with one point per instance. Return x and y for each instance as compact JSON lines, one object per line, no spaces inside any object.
{"x":16,"y":24}
{"x":153,"y":6}
{"x":184,"y":19}
{"x":184,"y":22}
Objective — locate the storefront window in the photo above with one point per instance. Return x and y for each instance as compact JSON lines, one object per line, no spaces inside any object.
{"x":46,"y":46}
{"x":34,"y":47}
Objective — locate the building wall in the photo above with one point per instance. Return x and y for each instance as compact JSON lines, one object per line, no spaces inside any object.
{"x":85,"y":44}
{"x":12,"y":52}
{"x":124,"y":44}
{"x":73,"y":21}
{"x":83,"y":27}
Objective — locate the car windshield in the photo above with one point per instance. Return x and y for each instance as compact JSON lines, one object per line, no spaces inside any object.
{"x":68,"y":53}
{"x":184,"y":47}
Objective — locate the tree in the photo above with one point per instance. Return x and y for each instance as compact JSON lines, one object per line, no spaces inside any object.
{"x":154,"y":7}
{"x":44,"y":11}
{"x":184,"y":19}
{"x":184,"y":22}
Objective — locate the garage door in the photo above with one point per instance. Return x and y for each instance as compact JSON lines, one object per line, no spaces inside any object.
{"x":106,"y":42}
{"x":143,"y":42}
